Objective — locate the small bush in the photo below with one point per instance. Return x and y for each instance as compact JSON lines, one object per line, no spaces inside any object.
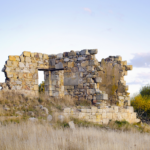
{"x":141,"y":105}
{"x":42,"y":87}
{"x":122,"y":123}
{"x":145,"y":91}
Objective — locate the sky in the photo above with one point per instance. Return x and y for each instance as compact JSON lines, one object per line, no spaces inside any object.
{"x":114,"y":27}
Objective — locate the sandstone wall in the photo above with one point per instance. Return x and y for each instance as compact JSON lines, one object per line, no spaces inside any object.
{"x":103,"y":115}
{"x":76,"y":73}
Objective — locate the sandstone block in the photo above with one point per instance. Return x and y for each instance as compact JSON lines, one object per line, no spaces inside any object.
{"x":32,"y":55}
{"x":104,"y":115}
{"x":105,"y":121}
{"x":17,"y":58}
{"x":120,"y":97}
{"x":87,"y":118}
{"x":8,"y":69}
{"x":52,"y":88}
{"x":72,"y":53}
{"x":66,"y":59}
{"x":104,"y":110}
{"x":81,"y":115}
{"x":115,"y":109}
{"x":81,"y":58}
{"x":99,"y":110}
{"x":9,"y":75}
{"x":99,"y":68}
{"x":84,"y":52}
{"x":93,"y":62}
{"x":45,"y":56}
{"x":126,"y":88}
{"x":98,"y":116}
{"x":97,"y":91}
{"x":92,"y":86}
{"x":81,"y":69}
{"x":133,"y":115}
{"x":93,"y":51}
{"x":29,"y":75}
{"x":98,"y":79}
{"x":27,"y":54}
{"x":28,"y":59}
{"x":93,"y":109}
{"x":9,"y":63}
{"x":109,"y":115}
{"x":21,"y":58}
{"x":59,"y":66}
{"x":88,"y":110}
{"x":18,"y":82}
{"x":130,"y":108}
{"x":70,"y":64}
{"x":124,"y":115}
{"x":89,"y":80}
{"x":80,"y":86}
{"x":84,"y":110}
{"x":114,"y":116}
{"x":36,"y":87}
{"x":21,"y":65}
{"x":129,"y":67}
{"x":124,"y":63}
{"x":102,"y":97}
{"x":84,"y":63}
{"x":90,"y":91}
{"x":118,"y":58}
{"x":119,"y":116}
{"x":15,"y":63}
{"x":90,"y":68}
{"x":59,"y":55}
{"x":89,"y":97}
{"x":12,"y":58}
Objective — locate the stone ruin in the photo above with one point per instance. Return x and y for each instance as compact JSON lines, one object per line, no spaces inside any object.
{"x":77,"y":74}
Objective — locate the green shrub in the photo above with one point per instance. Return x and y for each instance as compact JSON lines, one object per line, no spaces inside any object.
{"x":121,"y":123}
{"x":141,"y":105}
{"x":42,"y":87}
{"x":145,"y":90}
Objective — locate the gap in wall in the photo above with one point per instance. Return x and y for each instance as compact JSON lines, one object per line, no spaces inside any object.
{"x":40,"y":77}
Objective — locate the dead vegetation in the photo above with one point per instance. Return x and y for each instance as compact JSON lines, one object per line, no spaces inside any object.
{"x":33,"y":136}
{"x":17,"y":132}
{"x":16,"y":107}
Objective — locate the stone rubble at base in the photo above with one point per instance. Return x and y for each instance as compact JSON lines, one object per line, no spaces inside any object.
{"x":103,"y":115}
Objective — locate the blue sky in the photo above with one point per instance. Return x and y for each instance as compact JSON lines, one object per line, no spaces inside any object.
{"x":114,"y":27}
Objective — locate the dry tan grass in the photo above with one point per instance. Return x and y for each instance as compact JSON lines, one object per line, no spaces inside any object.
{"x":35,"y":136}
{"x":19,"y":103}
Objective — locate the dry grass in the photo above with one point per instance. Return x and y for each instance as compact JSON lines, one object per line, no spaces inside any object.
{"x":19,"y":103}
{"x":21,"y":108}
{"x":41,"y":135}
{"x":35,"y":136}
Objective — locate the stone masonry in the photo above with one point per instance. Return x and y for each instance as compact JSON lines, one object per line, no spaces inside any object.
{"x":103,"y":115}
{"x":76,"y":73}
{"x":79,"y":75}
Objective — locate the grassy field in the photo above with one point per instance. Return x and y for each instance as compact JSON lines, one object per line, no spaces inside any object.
{"x":18,"y":133}
{"x":37,"y":136}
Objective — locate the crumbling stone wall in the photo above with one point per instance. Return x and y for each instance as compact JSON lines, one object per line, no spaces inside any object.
{"x":103,"y":115}
{"x":76,"y":73}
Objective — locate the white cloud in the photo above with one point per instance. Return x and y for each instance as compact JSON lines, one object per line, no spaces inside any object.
{"x":141,"y":60}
